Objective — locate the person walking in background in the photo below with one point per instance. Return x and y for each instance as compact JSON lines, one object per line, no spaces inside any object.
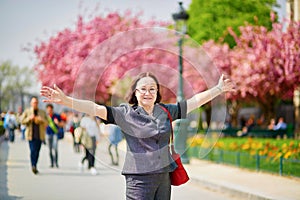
{"x":73,"y":123}
{"x":89,"y":141}
{"x":5,"y":114}
{"x":11,"y":124}
{"x":115,"y":136}
{"x":146,"y":128}
{"x":2,"y":128}
{"x":21,"y":126}
{"x":54,"y":124}
{"x":64,"y":119}
{"x":36,"y":122}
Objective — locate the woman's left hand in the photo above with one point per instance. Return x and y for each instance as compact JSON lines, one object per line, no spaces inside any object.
{"x":225,"y":85}
{"x":53,"y":95}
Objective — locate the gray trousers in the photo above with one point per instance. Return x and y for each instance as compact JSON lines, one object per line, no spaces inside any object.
{"x":148,"y":187}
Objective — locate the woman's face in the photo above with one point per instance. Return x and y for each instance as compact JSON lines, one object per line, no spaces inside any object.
{"x":146,"y":91}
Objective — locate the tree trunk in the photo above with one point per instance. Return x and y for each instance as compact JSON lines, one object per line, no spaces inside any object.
{"x":268,"y":110}
{"x":233,"y":109}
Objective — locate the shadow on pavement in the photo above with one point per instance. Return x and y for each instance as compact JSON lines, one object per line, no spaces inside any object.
{"x":4,"y":149}
{"x":77,"y":174}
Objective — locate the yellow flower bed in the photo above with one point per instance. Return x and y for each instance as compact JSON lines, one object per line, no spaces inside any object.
{"x":271,"y":148}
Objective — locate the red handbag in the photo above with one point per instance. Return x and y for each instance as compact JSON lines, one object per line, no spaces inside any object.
{"x":179,"y":176}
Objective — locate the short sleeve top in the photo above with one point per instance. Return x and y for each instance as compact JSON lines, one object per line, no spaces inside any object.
{"x":147,"y":136}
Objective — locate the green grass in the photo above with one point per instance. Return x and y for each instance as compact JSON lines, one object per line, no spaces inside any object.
{"x":290,"y":167}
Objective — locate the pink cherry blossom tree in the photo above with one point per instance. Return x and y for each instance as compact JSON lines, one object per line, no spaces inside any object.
{"x":265,"y":65}
{"x":89,"y":60}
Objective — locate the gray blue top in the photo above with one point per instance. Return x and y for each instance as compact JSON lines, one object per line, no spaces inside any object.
{"x":115,"y":134}
{"x":147,"y":136}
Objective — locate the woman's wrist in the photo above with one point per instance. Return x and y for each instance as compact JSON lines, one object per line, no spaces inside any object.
{"x":219,"y":88}
{"x":68,"y":101}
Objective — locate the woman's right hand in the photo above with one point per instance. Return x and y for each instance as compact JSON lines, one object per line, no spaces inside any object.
{"x":53,"y":95}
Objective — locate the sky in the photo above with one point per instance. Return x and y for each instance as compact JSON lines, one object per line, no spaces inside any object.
{"x":25,"y":22}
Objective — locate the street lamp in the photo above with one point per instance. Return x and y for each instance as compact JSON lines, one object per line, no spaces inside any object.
{"x":181,"y":125}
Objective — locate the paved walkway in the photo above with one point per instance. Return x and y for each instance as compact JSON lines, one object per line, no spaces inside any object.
{"x":238,"y":183}
{"x":243,"y":183}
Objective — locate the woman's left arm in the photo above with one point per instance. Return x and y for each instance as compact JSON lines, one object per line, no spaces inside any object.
{"x":224,"y":85}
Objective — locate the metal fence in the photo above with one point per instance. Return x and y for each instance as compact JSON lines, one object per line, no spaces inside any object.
{"x":282,"y":166}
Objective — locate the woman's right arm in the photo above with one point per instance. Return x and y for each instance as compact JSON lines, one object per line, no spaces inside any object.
{"x":56,"y":95}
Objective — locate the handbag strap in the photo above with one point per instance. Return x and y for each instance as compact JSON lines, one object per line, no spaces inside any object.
{"x":172,"y":133}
